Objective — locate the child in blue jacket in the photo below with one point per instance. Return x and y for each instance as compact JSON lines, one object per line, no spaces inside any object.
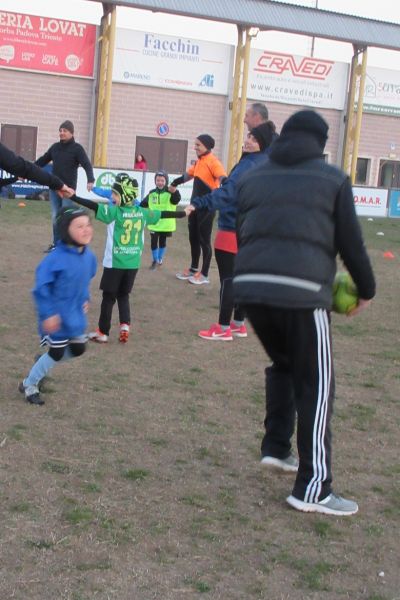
{"x":61,"y":295}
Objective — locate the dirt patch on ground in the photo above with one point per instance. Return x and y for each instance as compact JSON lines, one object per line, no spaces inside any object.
{"x":139,"y":478}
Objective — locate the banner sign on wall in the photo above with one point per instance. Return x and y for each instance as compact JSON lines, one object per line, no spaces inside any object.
{"x":394,"y":203}
{"x":47,"y":44}
{"x":371,"y":202}
{"x":104,"y":179}
{"x":382,"y":92}
{"x":291,"y":79}
{"x":153,"y":59}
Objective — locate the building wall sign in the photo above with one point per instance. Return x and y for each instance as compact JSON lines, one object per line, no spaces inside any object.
{"x":291,"y":79}
{"x":153,"y":59}
{"x":382,"y":92}
{"x":46,"y":44}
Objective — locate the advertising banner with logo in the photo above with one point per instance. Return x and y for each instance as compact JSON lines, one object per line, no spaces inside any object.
{"x":394,"y":203}
{"x":153,"y":59}
{"x":47,"y":44}
{"x":104,"y":179}
{"x":291,"y":79}
{"x":382,"y":92}
{"x":371,"y":202}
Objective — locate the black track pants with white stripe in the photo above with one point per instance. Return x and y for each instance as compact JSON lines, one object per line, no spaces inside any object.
{"x":300,"y":380}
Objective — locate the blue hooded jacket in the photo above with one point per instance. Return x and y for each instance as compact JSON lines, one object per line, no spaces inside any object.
{"x":62,"y":287}
{"x":224,"y":198}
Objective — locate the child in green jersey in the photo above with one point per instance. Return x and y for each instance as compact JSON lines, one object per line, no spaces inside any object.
{"x":122,"y":256}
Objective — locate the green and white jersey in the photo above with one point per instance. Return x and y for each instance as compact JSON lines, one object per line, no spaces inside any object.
{"x":125,"y":234}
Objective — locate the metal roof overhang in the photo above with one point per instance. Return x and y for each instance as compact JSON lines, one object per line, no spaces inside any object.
{"x":277,"y":16}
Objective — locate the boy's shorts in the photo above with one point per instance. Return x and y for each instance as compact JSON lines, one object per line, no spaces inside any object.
{"x":47,"y":340}
{"x":117,"y":281}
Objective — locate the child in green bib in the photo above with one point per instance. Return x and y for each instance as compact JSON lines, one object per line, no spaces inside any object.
{"x":161,"y":198}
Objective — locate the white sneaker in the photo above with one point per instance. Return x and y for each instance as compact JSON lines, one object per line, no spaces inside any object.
{"x":97,"y":336}
{"x":288,"y":465}
{"x":331,"y":505}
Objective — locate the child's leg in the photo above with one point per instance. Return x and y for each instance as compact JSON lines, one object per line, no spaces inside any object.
{"x":41,"y":368}
{"x":124,"y":290}
{"x":106,"y":309}
{"x":154,"y":245}
{"x":162,"y":247}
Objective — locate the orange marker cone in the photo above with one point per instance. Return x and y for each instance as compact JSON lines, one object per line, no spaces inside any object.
{"x":388,"y":254}
{"x":21,"y":204}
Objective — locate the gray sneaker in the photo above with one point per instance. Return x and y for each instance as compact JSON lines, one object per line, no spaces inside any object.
{"x":31,"y":393}
{"x":331,"y":505}
{"x":288,"y":465}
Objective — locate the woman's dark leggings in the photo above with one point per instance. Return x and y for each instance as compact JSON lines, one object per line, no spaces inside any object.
{"x":200,"y":225}
{"x":225,"y":263}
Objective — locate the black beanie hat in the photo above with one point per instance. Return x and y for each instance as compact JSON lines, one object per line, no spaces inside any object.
{"x":64,"y":219}
{"x":264,"y":134}
{"x":206,"y":140}
{"x":67,"y":125}
{"x":308,"y":121}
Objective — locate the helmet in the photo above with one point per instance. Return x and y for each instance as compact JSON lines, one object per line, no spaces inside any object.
{"x":162,"y":174}
{"x":64,"y":219}
{"x":126,"y":188}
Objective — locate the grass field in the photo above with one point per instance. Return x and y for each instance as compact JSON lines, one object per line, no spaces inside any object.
{"x":139,"y":479}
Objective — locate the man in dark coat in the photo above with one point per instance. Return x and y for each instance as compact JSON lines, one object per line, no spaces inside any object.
{"x":295,"y":214}
{"x":67,"y":156}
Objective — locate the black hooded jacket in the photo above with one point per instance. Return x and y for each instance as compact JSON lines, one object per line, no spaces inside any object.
{"x":295,"y":214}
{"x":67,"y":157}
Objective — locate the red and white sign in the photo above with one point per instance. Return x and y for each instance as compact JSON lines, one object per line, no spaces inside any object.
{"x":300,"y":80}
{"x":371,"y":202}
{"x":46,"y":44}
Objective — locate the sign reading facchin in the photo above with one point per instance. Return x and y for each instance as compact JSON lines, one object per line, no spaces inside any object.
{"x":46,"y":44}
{"x":154,"y":59}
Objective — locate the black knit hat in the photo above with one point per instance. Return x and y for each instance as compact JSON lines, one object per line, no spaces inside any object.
{"x":64,"y":219}
{"x":206,"y":140}
{"x":67,"y":125}
{"x":126,"y":188}
{"x":310,"y":122}
{"x":264,"y":134}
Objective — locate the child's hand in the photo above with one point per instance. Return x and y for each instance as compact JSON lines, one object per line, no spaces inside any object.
{"x":52,"y":324}
{"x":86,"y":307}
{"x":189,"y":209}
{"x":172,"y":189}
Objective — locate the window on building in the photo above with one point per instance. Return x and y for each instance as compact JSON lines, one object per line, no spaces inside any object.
{"x":362,"y":171}
{"x":21,"y":139}
{"x":163,"y":154}
{"x":389,"y":174}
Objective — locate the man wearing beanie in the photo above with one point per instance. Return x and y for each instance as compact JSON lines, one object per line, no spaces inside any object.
{"x":67,"y":156}
{"x":295,"y":215}
{"x":206,"y":173}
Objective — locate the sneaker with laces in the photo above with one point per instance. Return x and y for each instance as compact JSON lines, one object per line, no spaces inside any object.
{"x":289,"y":464}
{"x":331,"y":505}
{"x":216,"y":333}
{"x":238,"y":330}
{"x":98,"y":336}
{"x":198,"y":279}
{"x":185,"y":274}
{"x":124,"y":333}
{"x":31,"y":393}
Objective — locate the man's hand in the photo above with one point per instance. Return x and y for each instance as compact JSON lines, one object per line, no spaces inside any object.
{"x":65,"y":192}
{"x":51,"y":324}
{"x":362,"y":305}
{"x":90,"y":186}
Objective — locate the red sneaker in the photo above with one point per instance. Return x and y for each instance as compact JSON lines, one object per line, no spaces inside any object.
{"x":238,"y":330}
{"x":124,"y":333}
{"x":216,"y":333}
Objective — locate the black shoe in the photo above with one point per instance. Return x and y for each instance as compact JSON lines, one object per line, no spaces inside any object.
{"x":33,"y":397}
{"x":153,"y":265}
{"x":49,"y":249}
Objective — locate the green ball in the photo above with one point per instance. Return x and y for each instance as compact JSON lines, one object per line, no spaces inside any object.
{"x":345,"y":294}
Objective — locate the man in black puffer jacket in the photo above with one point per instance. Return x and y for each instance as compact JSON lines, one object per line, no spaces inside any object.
{"x":67,"y":156}
{"x":295,"y":214}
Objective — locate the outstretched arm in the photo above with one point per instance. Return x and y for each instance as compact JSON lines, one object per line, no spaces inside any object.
{"x":86,"y":203}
